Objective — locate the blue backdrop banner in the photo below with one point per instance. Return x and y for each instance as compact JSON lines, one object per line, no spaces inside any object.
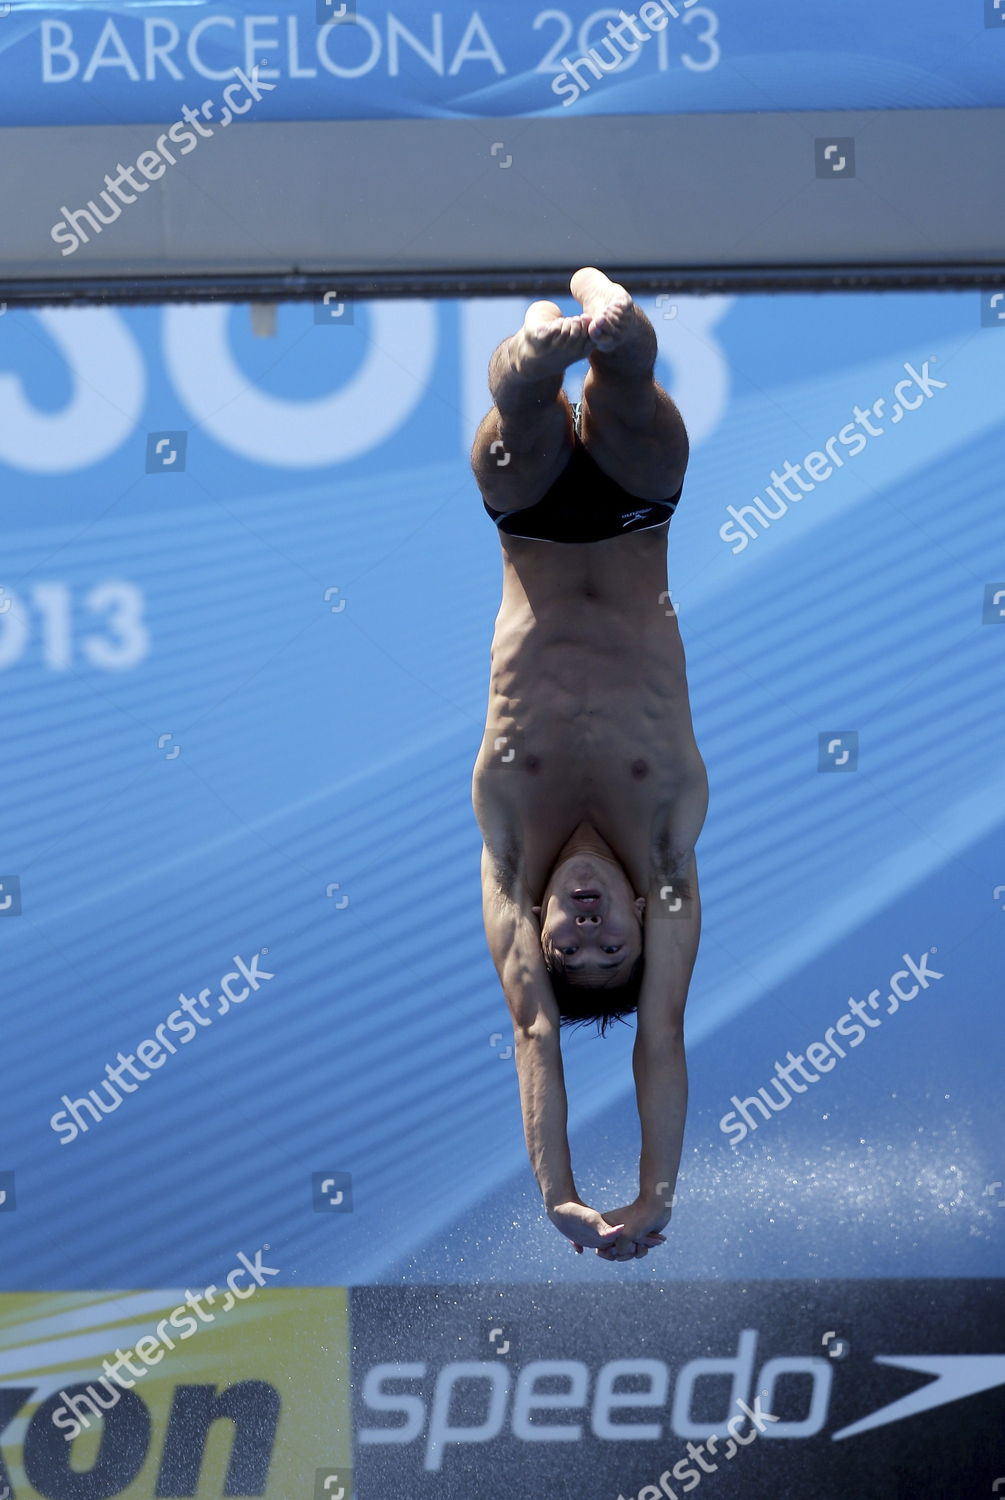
{"x":247,"y":593}
{"x":120,"y":61}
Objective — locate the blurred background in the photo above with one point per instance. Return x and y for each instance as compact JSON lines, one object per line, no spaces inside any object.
{"x":247,"y":591}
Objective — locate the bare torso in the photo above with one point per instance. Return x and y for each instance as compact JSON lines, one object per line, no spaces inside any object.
{"x":587,"y":667}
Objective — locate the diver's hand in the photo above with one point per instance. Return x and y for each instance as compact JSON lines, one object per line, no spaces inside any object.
{"x":641,"y":1223}
{"x":584,"y":1226}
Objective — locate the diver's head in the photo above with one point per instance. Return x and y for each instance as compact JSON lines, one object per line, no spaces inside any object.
{"x":591,"y":938}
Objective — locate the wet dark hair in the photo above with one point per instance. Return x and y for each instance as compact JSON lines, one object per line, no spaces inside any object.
{"x":579,"y":1004}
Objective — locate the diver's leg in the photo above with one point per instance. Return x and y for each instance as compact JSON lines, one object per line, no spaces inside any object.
{"x":524,"y":442}
{"x":629,"y":423}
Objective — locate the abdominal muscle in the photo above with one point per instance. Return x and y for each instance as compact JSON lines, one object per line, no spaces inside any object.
{"x":588,"y":669}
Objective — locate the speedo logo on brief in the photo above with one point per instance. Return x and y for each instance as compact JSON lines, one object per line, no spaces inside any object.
{"x":635,"y":515}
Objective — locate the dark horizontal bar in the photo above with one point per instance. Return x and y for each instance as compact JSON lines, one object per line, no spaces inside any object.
{"x":272,"y":287}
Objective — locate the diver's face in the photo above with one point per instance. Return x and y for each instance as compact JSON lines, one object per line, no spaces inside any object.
{"x":591,"y":918}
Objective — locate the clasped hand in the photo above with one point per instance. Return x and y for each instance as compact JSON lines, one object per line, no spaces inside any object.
{"x":626,"y":1233}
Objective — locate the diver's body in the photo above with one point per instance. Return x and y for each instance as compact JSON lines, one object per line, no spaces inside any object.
{"x":587,"y":668}
{"x":589,"y":787}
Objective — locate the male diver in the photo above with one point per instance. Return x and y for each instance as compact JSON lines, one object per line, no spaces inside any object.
{"x":589,"y":788}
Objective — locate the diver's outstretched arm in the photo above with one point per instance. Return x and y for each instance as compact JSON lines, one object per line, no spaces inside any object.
{"x":672,"y":932}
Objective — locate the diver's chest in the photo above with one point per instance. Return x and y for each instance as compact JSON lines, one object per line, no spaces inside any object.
{"x":553,"y":783}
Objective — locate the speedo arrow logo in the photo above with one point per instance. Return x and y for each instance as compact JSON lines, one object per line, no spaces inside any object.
{"x":957,"y":1375}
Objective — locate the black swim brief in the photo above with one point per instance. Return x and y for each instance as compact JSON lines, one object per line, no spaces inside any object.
{"x":584,"y":505}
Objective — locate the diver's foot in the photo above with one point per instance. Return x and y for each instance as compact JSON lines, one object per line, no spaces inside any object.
{"x":613,"y":319}
{"x":548,"y":342}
